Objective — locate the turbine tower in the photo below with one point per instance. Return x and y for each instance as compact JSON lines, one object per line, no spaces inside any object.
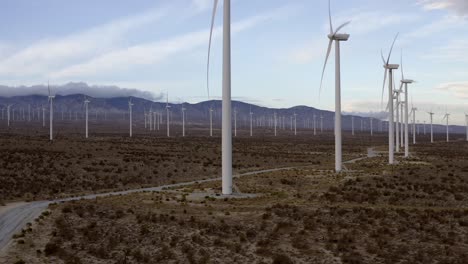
{"x":183,"y":120}
{"x":251,"y":114}
{"x":446,"y":117}
{"x":235,"y":122}
{"x":413,"y":111}
{"x":211,"y":121}
{"x":337,"y":37}
{"x":405,"y":82}
{"x":51,"y":113}
{"x":226,"y":144}
{"x":466,"y":121}
{"x":295,"y":124}
{"x":8,"y":114}
{"x":130,"y":104}
{"x":86,"y":102}
{"x":431,"y":114}
{"x":389,"y":69}
{"x":167,"y":115}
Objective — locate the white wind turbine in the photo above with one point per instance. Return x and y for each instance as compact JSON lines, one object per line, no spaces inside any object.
{"x":389,"y":69}
{"x":295,"y":124}
{"x":51,"y":113}
{"x":251,"y":114}
{"x":235,"y":122}
{"x":413,"y":112}
{"x":405,"y":82}
{"x":466,"y":121}
{"x":335,"y":36}
{"x":183,"y":120}
{"x":226,"y":145}
{"x":211,"y":121}
{"x":431,"y":114}
{"x":130,"y":104}
{"x":167,"y":115}
{"x":86,"y":102}
{"x":315,"y":124}
{"x":8,"y":114}
{"x":446,"y":117}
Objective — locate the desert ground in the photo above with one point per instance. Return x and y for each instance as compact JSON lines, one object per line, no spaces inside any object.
{"x":412,"y":212}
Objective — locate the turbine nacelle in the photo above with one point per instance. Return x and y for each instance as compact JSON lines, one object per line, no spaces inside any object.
{"x":391,"y":66}
{"x":407,"y":81}
{"x":339,"y":37}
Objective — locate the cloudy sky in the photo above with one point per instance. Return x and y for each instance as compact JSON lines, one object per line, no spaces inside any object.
{"x":278,"y":49}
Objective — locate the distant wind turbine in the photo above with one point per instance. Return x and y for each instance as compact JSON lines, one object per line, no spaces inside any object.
{"x":235,"y":122}
{"x":413,"y":111}
{"x":51,"y":113}
{"x":130,"y":104}
{"x":405,"y":82}
{"x":466,"y":121}
{"x":167,"y":115}
{"x":295,"y":124}
{"x":251,"y":114}
{"x":8,"y":114}
{"x":86,"y":102}
{"x":183,"y":120}
{"x":211,"y":121}
{"x":446,"y":117}
{"x":431,"y":114}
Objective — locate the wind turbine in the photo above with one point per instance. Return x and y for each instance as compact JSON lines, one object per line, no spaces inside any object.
{"x":389,"y":69}
{"x":275,"y":122}
{"x":466,"y":121}
{"x":167,"y":114}
{"x":183,"y":120}
{"x":315,"y":124}
{"x":86,"y":102}
{"x":371,"y":127}
{"x":295,"y":124}
{"x":8,"y":114}
{"x":251,"y":114}
{"x":211,"y":121}
{"x":226,"y":145}
{"x":446,"y":116}
{"x":431,"y":114}
{"x":130,"y":104}
{"x":235,"y":122}
{"x":405,"y":82}
{"x":413,"y":111}
{"x":51,"y":113}
{"x":337,"y":37}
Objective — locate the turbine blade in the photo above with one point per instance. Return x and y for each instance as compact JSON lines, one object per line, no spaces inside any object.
{"x":329,"y":16}
{"x":401,"y":87}
{"x":213,"y":16}
{"x":325,"y":65}
{"x":383,"y":59}
{"x":48,"y":88}
{"x":383,"y":87}
{"x":391,"y":48}
{"x":342,"y":26}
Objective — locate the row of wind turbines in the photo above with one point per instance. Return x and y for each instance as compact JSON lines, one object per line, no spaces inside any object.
{"x":334,"y":37}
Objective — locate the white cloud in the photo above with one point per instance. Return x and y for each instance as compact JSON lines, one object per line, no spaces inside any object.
{"x":458,"y":6}
{"x":459,"y":89}
{"x":152,"y":53}
{"x":47,"y":54}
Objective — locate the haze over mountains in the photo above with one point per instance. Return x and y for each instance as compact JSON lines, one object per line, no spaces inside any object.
{"x":198,"y":113}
